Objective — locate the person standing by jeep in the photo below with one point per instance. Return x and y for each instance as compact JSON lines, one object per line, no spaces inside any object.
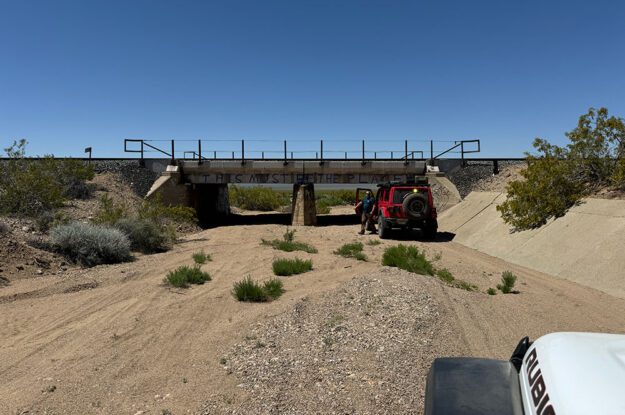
{"x":367,"y":205}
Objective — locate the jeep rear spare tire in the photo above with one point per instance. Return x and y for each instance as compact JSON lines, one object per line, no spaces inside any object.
{"x":415,"y":205}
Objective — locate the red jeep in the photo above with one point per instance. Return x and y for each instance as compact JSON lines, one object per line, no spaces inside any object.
{"x":404,"y":206}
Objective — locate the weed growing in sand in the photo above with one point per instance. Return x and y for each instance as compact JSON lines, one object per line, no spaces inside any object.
{"x":251,"y":291}
{"x":273,"y":288}
{"x":445,"y":275}
{"x":201,"y":258}
{"x":408,"y":258}
{"x":491,"y":291}
{"x":374,"y":242}
{"x":508,"y":280}
{"x":183,"y":276}
{"x":286,"y":267}
{"x":288,"y":243}
{"x":353,"y":250}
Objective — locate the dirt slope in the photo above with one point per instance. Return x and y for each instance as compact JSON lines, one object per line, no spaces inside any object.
{"x":114,"y":340}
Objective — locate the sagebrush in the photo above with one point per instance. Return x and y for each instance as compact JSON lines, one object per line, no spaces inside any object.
{"x":89,"y":245}
{"x":408,"y":258}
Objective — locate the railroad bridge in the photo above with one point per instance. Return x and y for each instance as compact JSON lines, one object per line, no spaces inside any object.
{"x":202,"y":182}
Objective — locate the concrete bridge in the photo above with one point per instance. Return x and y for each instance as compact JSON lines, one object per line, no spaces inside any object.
{"x":204,"y":185}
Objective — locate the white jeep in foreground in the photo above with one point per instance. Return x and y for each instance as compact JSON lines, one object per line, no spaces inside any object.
{"x":560,"y":373}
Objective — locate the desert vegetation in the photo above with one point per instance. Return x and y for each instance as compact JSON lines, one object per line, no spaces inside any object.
{"x":288,"y":243}
{"x":557,"y":177}
{"x":286,"y":267}
{"x":352,"y":250}
{"x":248,"y":290}
{"x":32,"y":187}
{"x":508,"y":279}
{"x":201,"y":258}
{"x":184,"y":276}
{"x":409,"y":258}
{"x":89,"y":245}
{"x":258,"y":198}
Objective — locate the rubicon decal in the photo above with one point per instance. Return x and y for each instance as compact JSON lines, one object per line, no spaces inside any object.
{"x":538,"y":389}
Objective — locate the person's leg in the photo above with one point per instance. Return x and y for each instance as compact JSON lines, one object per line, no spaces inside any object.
{"x":363,"y":223}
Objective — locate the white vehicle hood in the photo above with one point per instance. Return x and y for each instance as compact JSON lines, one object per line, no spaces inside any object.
{"x":574,"y":374}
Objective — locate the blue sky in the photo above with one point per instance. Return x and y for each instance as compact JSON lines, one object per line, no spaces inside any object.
{"x":86,"y":73}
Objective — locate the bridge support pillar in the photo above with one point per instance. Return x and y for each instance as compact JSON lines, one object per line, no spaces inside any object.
{"x":303,"y":205}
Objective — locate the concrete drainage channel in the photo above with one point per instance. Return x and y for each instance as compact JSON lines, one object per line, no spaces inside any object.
{"x":583,"y":246}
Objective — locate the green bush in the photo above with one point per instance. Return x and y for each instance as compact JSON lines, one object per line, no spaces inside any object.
{"x":184,"y":275}
{"x":374,"y":242}
{"x":49,"y":219}
{"x":145,"y":236}
{"x":273,"y":288}
{"x":287,"y":267}
{"x":90,"y":245}
{"x":156,"y":211}
{"x":508,"y":280}
{"x":463,"y":285}
{"x":30,"y":187}
{"x":249,"y":290}
{"x":257,"y":198}
{"x":558,"y":177}
{"x":353,"y":250}
{"x":445,"y":275}
{"x":201,"y":258}
{"x":408,"y":258}
{"x":491,"y":291}
{"x":109,"y":212}
{"x":288,"y":243}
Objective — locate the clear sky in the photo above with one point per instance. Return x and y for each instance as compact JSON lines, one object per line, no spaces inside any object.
{"x":91,"y":73}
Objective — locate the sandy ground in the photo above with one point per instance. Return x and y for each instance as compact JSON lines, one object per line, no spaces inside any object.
{"x":115,"y":340}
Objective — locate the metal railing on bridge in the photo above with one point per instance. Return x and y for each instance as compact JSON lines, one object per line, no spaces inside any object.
{"x":396,"y":150}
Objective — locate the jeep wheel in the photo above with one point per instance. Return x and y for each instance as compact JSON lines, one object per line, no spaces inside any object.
{"x":415,"y":206}
{"x":383,"y":230}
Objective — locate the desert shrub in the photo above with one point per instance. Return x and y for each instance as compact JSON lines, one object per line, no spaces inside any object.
{"x":508,"y":279}
{"x":109,"y":212}
{"x":289,"y":235}
{"x":491,"y":291}
{"x":257,"y":198}
{"x":249,"y":290}
{"x":288,"y":244}
{"x":321,"y":207}
{"x":353,"y":250}
{"x":156,"y":211}
{"x":558,"y":177}
{"x":90,"y":245}
{"x":286,"y":267}
{"x":29,"y":187}
{"x":463,"y":285}
{"x":337,"y":197}
{"x":374,"y":242}
{"x":49,"y":219}
{"x":184,"y":275}
{"x":145,"y":236}
{"x":273,"y":288}
{"x":408,"y":258}
{"x":201,"y":258}
{"x":445,"y":275}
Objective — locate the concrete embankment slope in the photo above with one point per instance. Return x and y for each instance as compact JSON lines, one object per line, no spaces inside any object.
{"x":586,"y":245}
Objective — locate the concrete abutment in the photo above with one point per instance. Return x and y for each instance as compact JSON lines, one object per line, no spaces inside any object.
{"x":304,"y":211}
